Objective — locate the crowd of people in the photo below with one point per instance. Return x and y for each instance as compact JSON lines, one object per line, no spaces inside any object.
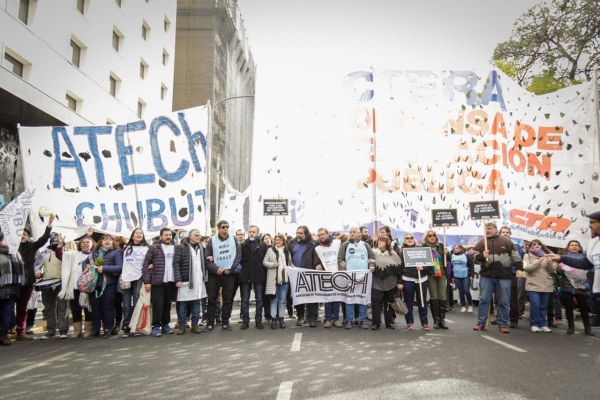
{"x":99,"y":282}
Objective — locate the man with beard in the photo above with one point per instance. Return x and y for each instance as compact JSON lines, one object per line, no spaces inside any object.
{"x":253,"y":275}
{"x":304,"y":255}
{"x":327,"y":251}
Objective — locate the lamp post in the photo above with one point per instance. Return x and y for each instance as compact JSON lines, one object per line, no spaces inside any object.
{"x":208,"y":169}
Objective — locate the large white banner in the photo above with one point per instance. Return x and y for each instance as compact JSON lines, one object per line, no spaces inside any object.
{"x":312,"y":286}
{"x":148,"y":174}
{"x":13,"y":218}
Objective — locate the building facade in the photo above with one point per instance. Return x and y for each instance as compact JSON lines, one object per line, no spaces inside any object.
{"x":81,"y":62}
{"x":213,"y":62}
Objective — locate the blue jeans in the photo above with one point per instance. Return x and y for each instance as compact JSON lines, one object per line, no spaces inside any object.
{"x":487,"y":286}
{"x":130,"y":298}
{"x":6,"y":309}
{"x":183,"y":307}
{"x":362,"y":312}
{"x":538,"y":307}
{"x":278,"y":303}
{"x":258,"y":296}
{"x":410,"y":290}
{"x":103,"y":307}
{"x":332,"y":311}
{"x":464,"y":290}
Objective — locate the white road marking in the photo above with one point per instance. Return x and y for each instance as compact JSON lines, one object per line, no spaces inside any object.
{"x":285,"y":389}
{"x":36,"y":365}
{"x":436,"y":334}
{"x":296,"y":343}
{"x":447,"y":320}
{"x":510,"y":346}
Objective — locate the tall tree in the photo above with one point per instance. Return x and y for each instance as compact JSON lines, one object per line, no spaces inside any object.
{"x":553,"y":45}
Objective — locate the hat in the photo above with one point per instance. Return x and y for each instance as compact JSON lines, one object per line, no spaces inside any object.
{"x":594,"y":215}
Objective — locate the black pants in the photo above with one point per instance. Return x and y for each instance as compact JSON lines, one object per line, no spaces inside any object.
{"x":311,"y":311}
{"x":379,"y":299}
{"x":76,"y":309}
{"x":289,"y":304}
{"x":514,"y":300}
{"x":223,"y":282}
{"x":567,"y":301}
{"x":267,"y":304}
{"x":118,"y":309}
{"x":161,"y":297}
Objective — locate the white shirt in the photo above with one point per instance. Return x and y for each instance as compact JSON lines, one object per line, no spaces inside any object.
{"x":169,"y":251}
{"x":132,"y":263}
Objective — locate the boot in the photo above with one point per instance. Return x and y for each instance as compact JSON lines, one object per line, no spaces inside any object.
{"x":588,"y":329}
{"x":77,"y":329}
{"x":273,"y":323}
{"x":281,"y":323}
{"x":89,"y":328}
{"x":571,"y":327}
{"x":442,"y":312}
{"x":433,"y":304}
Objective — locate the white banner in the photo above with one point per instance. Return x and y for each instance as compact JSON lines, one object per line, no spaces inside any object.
{"x":312,"y":286}
{"x":13,"y":218}
{"x":148,"y":174}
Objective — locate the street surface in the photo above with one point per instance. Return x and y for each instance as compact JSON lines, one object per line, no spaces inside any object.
{"x":311,"y":363}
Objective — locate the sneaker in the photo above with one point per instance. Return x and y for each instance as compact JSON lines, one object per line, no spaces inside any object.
{"x":167,"y":330}
{"x":558,"y":321}
{"x":470,"y":309}
{"x":22,"y":337}
{"x":338,"y":324}
{"x":545,"y":329}
{"x":363,"y":325}
{"x":156,"y":331}
{"x":327,"y":324}
{"x":503,"y":329}
{"x":410,"y":327}
{"x":478,"y":327}
{"x":219,"y":322}
{"x":535,"y":329}
{"x":63,"y":335}
{"x":390,"y":326}
{"x":374,"y":327}
{"x":47,"y":336}
{"x":426,"y":327}
{"x":464,"y":309}
{"x":227,"y":327}
{"x":126,"y":332}
{"x":208,"y":328}
{"x":514,"y":325}
{"x":298,"y":323}
{"x":349,"y":325}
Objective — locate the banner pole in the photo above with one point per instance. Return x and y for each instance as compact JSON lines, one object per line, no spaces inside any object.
{"x":597,"y":112}
{"x":485,"y":239}
{"x":445,"y":247}
{"x":420,"y":288}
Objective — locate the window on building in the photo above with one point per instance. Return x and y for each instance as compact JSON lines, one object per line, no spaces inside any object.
{"x":112,"y":86}
{"x":24,"y":11}
{"x":80,"y":6}
{"x":143,"y":69}
{"x":167,"y":24}
{"x":17,"y":66}
{"x":163,"y":92}
{"x":165,"y":57}
{"x":145,"y":30}
{"x":75,"y":53}
{"x":140,"y":109}
{"x":71,"y":102}
{"x":119,"y":3}
{"x":116,"y":41}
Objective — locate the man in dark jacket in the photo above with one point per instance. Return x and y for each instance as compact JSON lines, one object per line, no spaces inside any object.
{"x":27,"y":249}
{"x":190,"y":275}
{"x":159,"y":279}
{"x":223,"y":254}
{"x":495,"y":275}
{"x":253,"y":275}
{"x":11,"y":276}
{"x":304,"y":255}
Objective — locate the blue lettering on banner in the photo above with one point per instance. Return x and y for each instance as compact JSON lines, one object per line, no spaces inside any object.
{"x":92,"y":131}
{"x":191,"y":138}
{"x":59,"y":163}
{"x":124,"y":151}
{"x":157,"y":123}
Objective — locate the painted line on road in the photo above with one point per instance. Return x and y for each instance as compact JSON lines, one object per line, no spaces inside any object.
{"x":36,"y":365}
{"x":296,"y":343}
{"x":510,"y":346}
{"x":285,"y":390}
{"x":437,"y":335}
{"x":447,"y":320}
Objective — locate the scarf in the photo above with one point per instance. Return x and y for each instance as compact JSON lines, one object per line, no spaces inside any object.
{"x":571,"y":254}
{"x":98,"y":261}
{"x":11,"y":269}
{"x":437,"y":259}
{"x":327,"y":241}
{"x":538,"y":253}
{"x":281,"y":277}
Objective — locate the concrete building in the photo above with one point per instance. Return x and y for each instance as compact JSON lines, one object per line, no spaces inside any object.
{"x":213,"y":62}
{"x":81,"y":62}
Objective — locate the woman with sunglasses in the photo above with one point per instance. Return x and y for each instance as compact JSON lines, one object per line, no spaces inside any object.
{"x":439,"y":281}
{"x":540,"y":284}
{"x":463,"y":270}
{"x":410,"y":286}
{"x":386,"y":279}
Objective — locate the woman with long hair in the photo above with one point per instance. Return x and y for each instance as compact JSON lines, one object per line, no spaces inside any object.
{"x":411,"y":283}
{"x":386,"y":278}
{"x":574,"y":287}
{"x":540,"y":284}
{"x":276,"y":260}
{"x":463,"y":270}
{"x":131,"y":282}
{"x":438,"y":281}
{"x":108,"y":262}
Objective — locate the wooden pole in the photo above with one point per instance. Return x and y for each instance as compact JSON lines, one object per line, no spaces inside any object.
{"x":485,"y":239}
{"x":420,"y":288}
{"x":444,"y":247}
{"x":487,"y":323}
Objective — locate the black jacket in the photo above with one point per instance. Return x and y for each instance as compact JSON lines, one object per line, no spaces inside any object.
{"x":253,"y":255}
{"x":411,"y":272}
{"x":27,"y":251}
{"x":182,"y":260}
{"x":310,"y":258}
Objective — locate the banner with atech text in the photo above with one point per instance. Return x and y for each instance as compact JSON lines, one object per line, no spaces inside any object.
{"x":312,"y":286}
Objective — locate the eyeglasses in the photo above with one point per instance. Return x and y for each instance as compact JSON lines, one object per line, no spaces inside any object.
{"x":409,"y":238}
{"x":431,"y":235}
{"x":225,"y":227}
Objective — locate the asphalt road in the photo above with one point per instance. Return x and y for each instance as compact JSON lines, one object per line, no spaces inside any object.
{"x":310,"y":363}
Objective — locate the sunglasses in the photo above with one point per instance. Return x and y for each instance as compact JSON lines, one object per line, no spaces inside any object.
{"x":225,"y":227}
{"x":432,"y":235}
{"x":409,"y":238}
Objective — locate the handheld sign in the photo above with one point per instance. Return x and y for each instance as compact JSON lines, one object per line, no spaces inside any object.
{"x":489,"y":209}
{"x":275,"y":207}
{"x":417,"y":256}
{"x":444,"y":217}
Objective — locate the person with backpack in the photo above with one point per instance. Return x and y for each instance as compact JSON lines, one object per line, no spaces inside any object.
{"x":463,"y":271}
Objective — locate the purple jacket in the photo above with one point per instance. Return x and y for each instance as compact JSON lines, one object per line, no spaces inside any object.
{"x":156,"y":257}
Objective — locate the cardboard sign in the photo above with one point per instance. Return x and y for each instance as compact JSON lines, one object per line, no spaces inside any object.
{"x":275,"y":207}
{"x":489,"y":209}
{"x":444,"y":217}
{"x":415,"y":256}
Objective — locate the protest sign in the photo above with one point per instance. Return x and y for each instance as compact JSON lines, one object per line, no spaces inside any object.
{"x":444,"y":217}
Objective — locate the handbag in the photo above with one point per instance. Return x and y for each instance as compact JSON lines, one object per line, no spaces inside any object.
{"x":141,"y":320}
{"x":124,"y":285}
{"x":47,"y":284}
{"x":399,"y":305}
{"x":88,"y":279}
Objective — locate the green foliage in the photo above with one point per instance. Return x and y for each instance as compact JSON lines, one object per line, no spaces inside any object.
{"x":552,"y":45}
